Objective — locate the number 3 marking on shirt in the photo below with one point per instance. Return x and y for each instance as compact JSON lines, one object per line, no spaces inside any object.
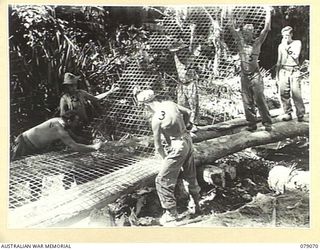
{"x":162,"y":115}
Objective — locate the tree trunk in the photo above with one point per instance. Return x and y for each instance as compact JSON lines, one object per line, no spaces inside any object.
{"x":211,"y":150}
{"x":229,"y":127}
{"x":214,"y":131}
{"x":108,"y":188}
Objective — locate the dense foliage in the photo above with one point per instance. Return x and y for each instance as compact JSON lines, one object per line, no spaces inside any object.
{"x":96,"y":43}
{"x":47,"y":41}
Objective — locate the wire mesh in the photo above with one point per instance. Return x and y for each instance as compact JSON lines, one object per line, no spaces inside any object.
{"x":58,"y":206}
{"x":215,"y":63}
{"x":34,"y":177}
{"x":41,"y":175}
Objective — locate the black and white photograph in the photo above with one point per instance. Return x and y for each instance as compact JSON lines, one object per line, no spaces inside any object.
{"x":159,"y":116}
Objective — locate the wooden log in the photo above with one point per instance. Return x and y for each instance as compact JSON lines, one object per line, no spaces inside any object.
{"x":238,"y":122}
{"x":210,"y":131}
{"x":216,"y":174}
{"x":208,"y":151}
{"x":229,"y":127}
{"x":77,"y":202}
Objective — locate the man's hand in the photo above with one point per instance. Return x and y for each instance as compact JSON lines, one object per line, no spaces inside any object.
{"x":98,"y":145}
{"x":189,"y":126}
{"x":284,"y":42}
{"x":268,"y":9}
{"x":114,"y":87}
{"x":192,"y":27}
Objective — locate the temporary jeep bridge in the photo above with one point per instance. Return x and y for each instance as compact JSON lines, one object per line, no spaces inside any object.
{"x":53,"y":189}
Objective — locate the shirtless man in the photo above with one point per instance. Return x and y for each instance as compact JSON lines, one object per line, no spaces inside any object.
{"x":170,"y":119}
{"x":36,"y":139}
{"x":287,"y":74}
{"x":251,"y":80}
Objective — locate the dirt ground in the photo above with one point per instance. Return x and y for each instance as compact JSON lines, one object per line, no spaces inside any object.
{"x":244,"y":201}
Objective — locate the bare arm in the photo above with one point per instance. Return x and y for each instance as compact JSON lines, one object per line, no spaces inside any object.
{"x":234,"y":31}
{"x":94,"y":101}
{"x":67,"y":140}
{"x":267,"y":27}
{"x":77,"y":138}
{"x":113,"y":89}
{"x":192,"y":27}
{"x":62,"y":106}
{"x":278,"y":65}
{"x":157,"y":138}
{"x":168,"y":140}
{"x":181,"y":68}
{"x":186,"y":114}
{"x":89,"y":96}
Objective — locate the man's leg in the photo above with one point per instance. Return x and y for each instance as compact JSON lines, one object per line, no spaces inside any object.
{"x":296,"y":96}
{"x":190,"y":175}
{"x":166,"y":180}
{"x":21,"y":148}
{"x":181,"y":97}
{"x":284,"y":84}
{"x":18,"y":149}
{"x":193,"y":100}
{"x":258,"y":91}
{"x":181,"y":194}
{"x":248,"y":103}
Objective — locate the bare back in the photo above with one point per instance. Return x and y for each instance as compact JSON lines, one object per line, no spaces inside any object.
{"x":170,"y":119}
{"x":45,"y":133}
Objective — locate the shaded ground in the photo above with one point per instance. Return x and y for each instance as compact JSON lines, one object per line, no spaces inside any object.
{"x":245,"y":201}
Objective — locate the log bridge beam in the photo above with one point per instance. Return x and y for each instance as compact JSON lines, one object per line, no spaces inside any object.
{"x":76,"y":203}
